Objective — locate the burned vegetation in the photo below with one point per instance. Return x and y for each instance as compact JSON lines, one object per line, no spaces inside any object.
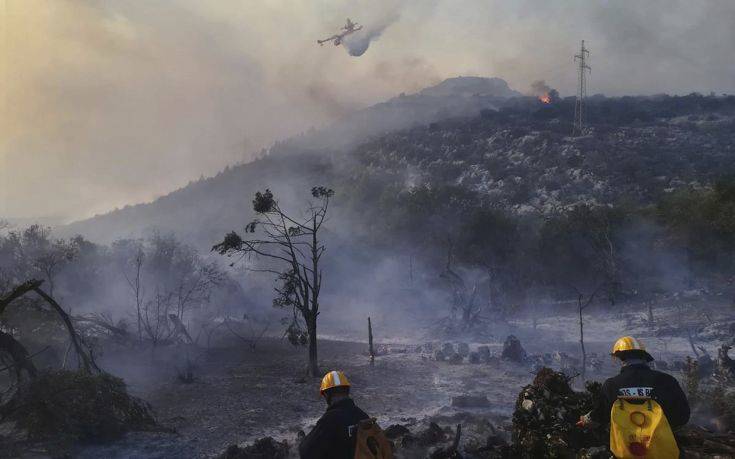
{"x":60,"y":407}
{"x":469,"y":276}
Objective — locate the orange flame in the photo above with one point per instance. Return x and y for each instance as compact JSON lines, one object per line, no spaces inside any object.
{"x":546,"y":98}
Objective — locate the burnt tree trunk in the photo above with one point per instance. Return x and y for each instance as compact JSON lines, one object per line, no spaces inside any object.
{"x":650,"y":316}
{"x":581,"y":337}
{"x":313,"y":356}
{"x":581,"y":307}
{"x":370,"y":341}
{"x":691,"y":341}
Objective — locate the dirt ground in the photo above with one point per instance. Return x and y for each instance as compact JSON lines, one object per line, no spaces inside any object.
{"x":240,"y":394}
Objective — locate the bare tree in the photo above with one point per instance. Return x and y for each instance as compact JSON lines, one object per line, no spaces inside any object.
{"x":597,"y":228}
{"x":691,"y":329}
{"x":134,"y":282}
{"x":19,"y":354}
{"x":293,"y":250}
{"x":155,"y":318}
{"x":582,"y":304}
{"x":51,"y":261}
{"x":195,"y":286}
{"x":37,"y":255}
{"x":178,"y":275}
{"x":650,"y":318}
{"x":464,"y":299}
{"x":248,"y":330}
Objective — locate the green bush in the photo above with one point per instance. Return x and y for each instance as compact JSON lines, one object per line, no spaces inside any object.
{"x":74,"y":405}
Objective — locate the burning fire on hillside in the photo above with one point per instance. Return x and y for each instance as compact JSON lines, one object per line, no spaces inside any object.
{"x":544,"y":92}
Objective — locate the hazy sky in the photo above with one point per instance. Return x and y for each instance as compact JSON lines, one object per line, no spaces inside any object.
{"x":104,"y":103}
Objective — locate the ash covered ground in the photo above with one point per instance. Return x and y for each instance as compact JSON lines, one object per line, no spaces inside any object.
{"x":241,"y":394}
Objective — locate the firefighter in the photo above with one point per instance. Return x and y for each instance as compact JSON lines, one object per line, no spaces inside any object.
{"x":335,"y":434}
{"x":640,"y":390}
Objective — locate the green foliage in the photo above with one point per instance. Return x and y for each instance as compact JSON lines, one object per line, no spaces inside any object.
{"x":322,"y":192}
{"x":264,"y":202}
{"x":74,"y":405}
{"x":701,"y":222}
{"x":231,"y":243}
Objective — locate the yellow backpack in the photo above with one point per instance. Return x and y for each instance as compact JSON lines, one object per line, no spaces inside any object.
{"x":372,"y":442}
{"x":639,"y":429}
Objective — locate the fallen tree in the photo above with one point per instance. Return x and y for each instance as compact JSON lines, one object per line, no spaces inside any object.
{"x":63,"y":406}
{"x":12,"y":352}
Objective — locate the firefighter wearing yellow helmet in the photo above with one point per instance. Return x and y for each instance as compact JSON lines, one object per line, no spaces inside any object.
{"x":344,"y":429}
{"x":641,"y":405}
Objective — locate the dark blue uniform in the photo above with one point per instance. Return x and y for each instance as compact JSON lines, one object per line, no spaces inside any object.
{"x":334,"y":435}
{"x":639,"y":380}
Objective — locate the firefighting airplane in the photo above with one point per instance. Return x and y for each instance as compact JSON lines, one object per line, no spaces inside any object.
{"x":349,"y":28}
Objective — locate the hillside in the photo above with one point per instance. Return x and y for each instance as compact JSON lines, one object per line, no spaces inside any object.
{"x":527,"y":160}
{"x":513,"y":153}
{"x":217,"y":200}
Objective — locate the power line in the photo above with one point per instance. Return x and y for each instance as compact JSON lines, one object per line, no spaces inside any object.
{"x":582,"y":57}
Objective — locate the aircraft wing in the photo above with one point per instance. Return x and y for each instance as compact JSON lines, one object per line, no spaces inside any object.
{"x":333,"y":37}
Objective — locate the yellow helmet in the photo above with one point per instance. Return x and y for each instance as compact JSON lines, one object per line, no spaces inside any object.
{"x":628,"y":343}
{"x":334,"y":379}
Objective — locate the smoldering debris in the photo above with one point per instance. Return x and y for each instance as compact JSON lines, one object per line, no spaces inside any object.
{"x":545,"y":415}
{"x":473,"y":437}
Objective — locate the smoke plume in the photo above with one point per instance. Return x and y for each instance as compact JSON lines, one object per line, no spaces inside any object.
{"x":540,"y":88}
{"x":357,"y":43}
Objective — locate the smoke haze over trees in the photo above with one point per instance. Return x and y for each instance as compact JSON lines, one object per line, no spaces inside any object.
{"x":528,"y":213}
{"x":202,"y":210}
{"x":227,"y":79}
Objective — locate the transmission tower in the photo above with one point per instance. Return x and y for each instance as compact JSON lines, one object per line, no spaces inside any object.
{"x":582,"y":90}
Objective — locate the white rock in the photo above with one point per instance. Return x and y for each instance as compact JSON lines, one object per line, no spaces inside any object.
{"x":527,"y":404}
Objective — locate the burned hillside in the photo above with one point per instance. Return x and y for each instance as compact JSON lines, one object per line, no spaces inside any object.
{"x":479,"y":250}
{"x":379,"y":229}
